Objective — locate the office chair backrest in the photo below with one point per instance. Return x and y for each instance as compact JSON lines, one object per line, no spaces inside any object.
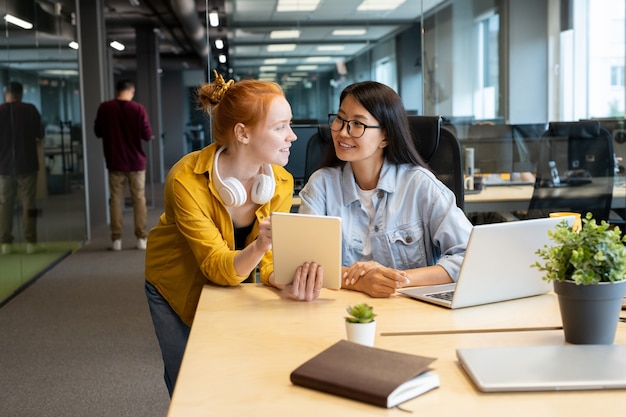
{"x":441,"y":150}
{"x":448,"y":166}
{"x":582,"y":153}
{"x":316,"y":150}
{"x":590,"y":146}
{"x":425,"y":131}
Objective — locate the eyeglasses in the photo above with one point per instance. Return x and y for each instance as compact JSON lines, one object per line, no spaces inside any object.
{"x":356,"y":129}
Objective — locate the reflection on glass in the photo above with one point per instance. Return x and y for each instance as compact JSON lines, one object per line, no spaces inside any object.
{"x":46,"y":219}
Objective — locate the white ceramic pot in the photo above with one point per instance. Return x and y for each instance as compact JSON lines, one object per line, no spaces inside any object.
{"x":362,"y":333}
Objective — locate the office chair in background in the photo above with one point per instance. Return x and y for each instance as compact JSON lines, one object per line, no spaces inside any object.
{"x":441,"y":150}
{"x":575,"y":171}
{"x":316,"y":150}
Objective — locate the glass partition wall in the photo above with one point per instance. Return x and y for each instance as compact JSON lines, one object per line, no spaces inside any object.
{"x":500,"y":71}
{"x":35,"y":52}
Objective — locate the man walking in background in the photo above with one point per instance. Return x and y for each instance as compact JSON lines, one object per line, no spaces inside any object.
{"x":20,"y":131}
{"x":123,"y":124}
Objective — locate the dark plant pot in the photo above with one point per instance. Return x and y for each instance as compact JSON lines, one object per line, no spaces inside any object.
{"x":590,"y":312}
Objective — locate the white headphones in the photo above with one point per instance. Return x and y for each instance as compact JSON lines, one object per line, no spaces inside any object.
{"x":232,"y":191}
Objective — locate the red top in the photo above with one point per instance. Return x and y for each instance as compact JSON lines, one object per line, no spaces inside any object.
{"x":122,"y":125}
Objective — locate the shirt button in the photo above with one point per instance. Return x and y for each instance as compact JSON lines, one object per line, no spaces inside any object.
{"x":379,"y":194}
{"x":376,"y":228}
{"x":409,"y":239}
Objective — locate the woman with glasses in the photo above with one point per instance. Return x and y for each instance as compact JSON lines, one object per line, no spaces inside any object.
{"x":401,"y":225}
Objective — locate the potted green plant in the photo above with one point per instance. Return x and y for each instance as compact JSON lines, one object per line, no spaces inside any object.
{"x":588,"y":270}
{"x":360,"y":324}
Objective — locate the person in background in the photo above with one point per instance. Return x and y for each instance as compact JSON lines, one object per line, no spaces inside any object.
{"x":401,"y":225}
{"x":21,"y":130}
{"x":216,"y":225}
{"x":123,"y":126}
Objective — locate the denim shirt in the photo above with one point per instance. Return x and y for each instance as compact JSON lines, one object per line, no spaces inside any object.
{"x":417,"y":222}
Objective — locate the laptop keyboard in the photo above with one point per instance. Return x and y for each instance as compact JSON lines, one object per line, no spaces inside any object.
{"x":446,"y":295}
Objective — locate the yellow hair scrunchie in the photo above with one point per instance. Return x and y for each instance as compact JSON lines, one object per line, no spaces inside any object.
{"x":221,"y":87}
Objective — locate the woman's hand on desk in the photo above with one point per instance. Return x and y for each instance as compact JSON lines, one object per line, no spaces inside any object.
{"x":307,"y":282}
{"x":374,"y":279}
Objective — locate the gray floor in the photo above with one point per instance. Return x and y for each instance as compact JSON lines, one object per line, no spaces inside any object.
{"x":79,"y":341}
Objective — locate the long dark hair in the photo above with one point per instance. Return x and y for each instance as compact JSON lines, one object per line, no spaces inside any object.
{"x":385,"y":105}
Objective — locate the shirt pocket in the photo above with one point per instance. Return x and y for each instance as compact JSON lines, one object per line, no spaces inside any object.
{"x":406,"y":244}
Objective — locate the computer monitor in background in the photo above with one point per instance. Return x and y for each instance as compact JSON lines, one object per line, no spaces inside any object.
{"x":297,"y":157}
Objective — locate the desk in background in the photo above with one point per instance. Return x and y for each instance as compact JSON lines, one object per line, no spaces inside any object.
{"x":246,"y":340}
{"x":509,"y":198}
{"x":514,"y":197}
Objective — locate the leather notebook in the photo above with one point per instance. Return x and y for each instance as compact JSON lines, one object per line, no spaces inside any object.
{"x":376,"y":376}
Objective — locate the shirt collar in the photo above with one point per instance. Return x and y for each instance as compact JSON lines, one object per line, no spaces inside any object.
{"x":204,"y":163}
{"x":386,"y":181}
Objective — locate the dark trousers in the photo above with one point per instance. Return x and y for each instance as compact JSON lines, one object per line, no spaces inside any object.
{"x":171,"y":333}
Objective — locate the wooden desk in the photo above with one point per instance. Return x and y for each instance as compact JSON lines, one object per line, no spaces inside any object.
{"x":246,"y":340}
{"x":499,"y":198}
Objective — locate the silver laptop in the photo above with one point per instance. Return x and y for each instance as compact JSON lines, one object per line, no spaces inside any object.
{"x":299,"y":238}
{"x":496,"y":266}
{"x":545,"y":368}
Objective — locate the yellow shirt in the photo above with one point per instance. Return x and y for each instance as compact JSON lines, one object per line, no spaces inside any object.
{"x":193,"y":242}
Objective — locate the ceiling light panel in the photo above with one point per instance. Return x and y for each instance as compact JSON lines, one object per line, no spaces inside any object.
{"x":318,"y":59}
{"x":281,"y":47}
{"x":349,"y":32}
{"x":275,"y":61}
{"x":117,"y":46}
{"x":18,"y":22}
{"x":284,"y":34}
{"x":330,"y":48}
{"x":214,"y":18}
{"x":369,"y":5}
{"x":307,"y":67}
{"x":297,"y":5}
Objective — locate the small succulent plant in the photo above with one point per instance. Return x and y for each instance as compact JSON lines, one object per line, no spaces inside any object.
{"x":360,"y":313}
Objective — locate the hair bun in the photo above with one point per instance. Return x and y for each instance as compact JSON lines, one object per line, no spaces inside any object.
{"x":221,"y":87}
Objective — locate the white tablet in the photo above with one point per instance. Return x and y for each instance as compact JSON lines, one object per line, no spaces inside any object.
{"x":299,"y":238}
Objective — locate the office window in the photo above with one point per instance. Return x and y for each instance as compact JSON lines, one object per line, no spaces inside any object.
{"x":603,"y":22}
{"x":617,"y":76}
{"x":486,"y":93}
{"x":385,"y":72}
{"x":488,"y":43}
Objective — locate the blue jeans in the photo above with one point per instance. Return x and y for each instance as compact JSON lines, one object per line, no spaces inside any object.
{"x":172,"y":334}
